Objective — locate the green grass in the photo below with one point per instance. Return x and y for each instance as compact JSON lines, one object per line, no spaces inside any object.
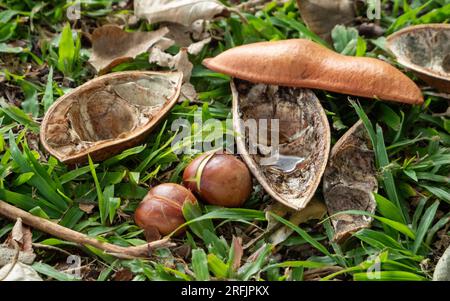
{"x":411,"y":144}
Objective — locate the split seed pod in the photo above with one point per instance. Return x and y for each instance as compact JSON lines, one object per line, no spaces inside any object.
{"x":219,"y":179}
{"x":305,"y":64}
{"x":293,"y":176}
{"x":350,"y":181}
{"x":108,"y":114}
{"x":425,"y":49}
{"x":160,"y":212}
{"x":322,"y":16}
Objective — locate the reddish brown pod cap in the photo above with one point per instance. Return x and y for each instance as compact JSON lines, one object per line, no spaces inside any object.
{"x":161,"y":209}
{"x":302,"y":63}
{"x":224,"y":179}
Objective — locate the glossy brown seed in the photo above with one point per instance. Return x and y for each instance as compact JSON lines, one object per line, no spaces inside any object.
{"x":424,"y":49}
{"x":161,"y":209}
{"x":224,"y":180}
{"x":350,"y":181}
{"x":302,"y":63}
{"x":108,"y":114}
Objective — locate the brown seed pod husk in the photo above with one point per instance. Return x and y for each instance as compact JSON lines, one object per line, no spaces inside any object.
{"x":305,"y":64}
{"x":304,"y":139}
{"x":108,"y":114}
{"x":424,"y":49}
{"x":350,"y":181}
{"x":321,"y":16}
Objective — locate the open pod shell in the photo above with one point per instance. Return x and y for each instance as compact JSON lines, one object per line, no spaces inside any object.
{"x":424,"y":49}
{"x":304,"y":139}
{"x":350,"y":181}
{"x":108,"y":114}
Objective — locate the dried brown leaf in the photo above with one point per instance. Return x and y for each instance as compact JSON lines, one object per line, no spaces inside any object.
{"x":322,"y":16}
{"x":113,"y":46}
{"x":20,"y":272}
{"x":315,"y":210}
{"x":183,"y":12}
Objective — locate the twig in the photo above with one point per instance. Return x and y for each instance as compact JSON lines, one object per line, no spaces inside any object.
{"x":53,"y":248}
{"x":56,"y":230}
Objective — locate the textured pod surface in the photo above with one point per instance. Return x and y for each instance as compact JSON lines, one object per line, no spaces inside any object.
{"x":108,"y":115}
{"x":302,"y":63}
{"x":349,"y":182}
{"x":322,"y":16}
{"x":161,"y":209}
{"x":442,"y":270}
{"x":223,"y":179}
{"x":304,"y":139}
{"x":425,"y":49}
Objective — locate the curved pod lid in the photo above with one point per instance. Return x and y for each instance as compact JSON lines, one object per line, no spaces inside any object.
{"x":349,"y":182}
{"x":304,"y":139}
{"x":108,"y":114}
{"x":305,"y":64}
{"x":424,"y":49}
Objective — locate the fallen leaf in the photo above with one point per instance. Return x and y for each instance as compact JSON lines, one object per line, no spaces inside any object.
{"x":86,"y":207}
{"x":197,"y":47}
{"x":238,"y":252}
{"x":188,"y":92}
{"x":113,"y":46}
{"x":184,"y":36}
{"x":183,"y":12}
{"x":123,"y":275}
{"x":321,"y":16}
{"x":180,"y":61}
{"x":7,"y":256}
{"x":20,"y":272}
{"x":21,"y":235}
{"x":315,"y":210}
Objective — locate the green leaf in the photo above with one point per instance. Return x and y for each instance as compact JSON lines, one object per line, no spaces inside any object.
{"x":389,"y":276}
{"x":424,"y":226}
{"x":402,"y":228}
{"x":217,"y":266}
{"x":37,"y":211}
{"x":345,"y":40}
{"x":193,"y":212}
{"x":19,"y":116}
{"x":388,"y":209}
{"x":47,"y":99}
{"x":5,"y":48}
{"x":23,"y":178}
{"x":102,"y":205}
{"x":252,"y":268}
{"x":388,"y":178}
{"x":74,"y":174}
{"x":200,"y":265}
{"x":66,"y":51}
{"x":49,"y":271}
{"x":303,"y":234}
{"x":293,"y":264}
